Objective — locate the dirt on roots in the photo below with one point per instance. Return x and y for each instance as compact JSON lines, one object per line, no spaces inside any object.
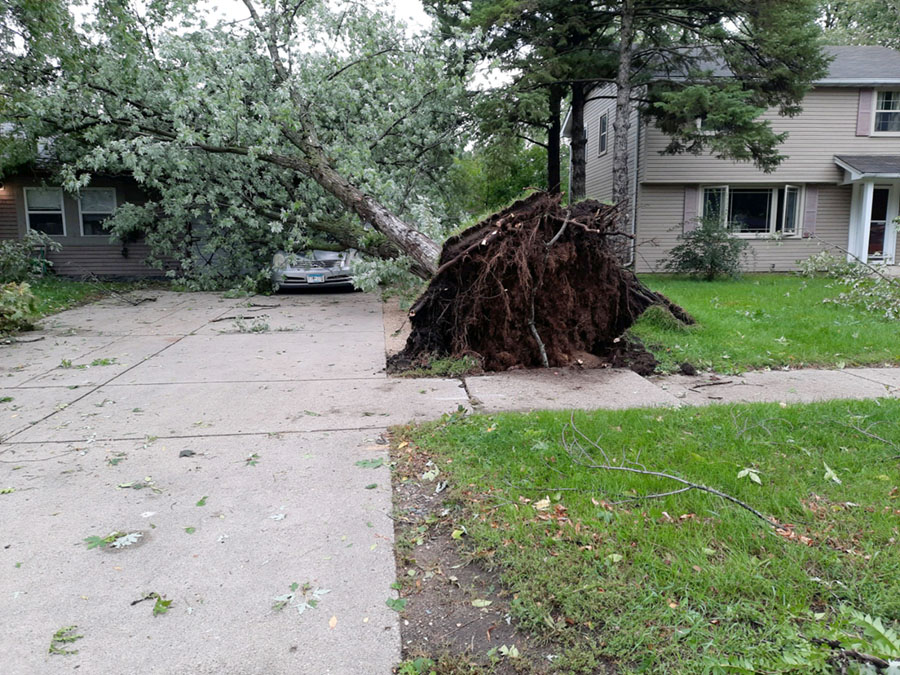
{"x":537,"y":284}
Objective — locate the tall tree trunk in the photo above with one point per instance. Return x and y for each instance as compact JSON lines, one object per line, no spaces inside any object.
{"x":424,"y":251}
{"x":621,"y":191}
{"x":554,"y":131}
{"x":579,"y":144}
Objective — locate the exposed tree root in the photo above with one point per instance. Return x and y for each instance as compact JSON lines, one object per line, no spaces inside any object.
{"x":534,"y":285}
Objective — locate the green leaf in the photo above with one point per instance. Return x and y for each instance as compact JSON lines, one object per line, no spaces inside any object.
{"x":7,"y":491}
{"x":63,"y":637}
{"x":371,"y":486}
{"x":831,"y":475}
{"x":202,"y":501}
{"x":161,"y":606}
{"x":370,"y":463}
{"x":190,"y":530}
{"x":396,"y":604}
{"x":481,"y":603}
{"x":95,"y":542}
{"x":752,"y":474}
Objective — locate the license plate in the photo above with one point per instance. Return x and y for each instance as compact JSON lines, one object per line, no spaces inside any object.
{"x":315,"y":278}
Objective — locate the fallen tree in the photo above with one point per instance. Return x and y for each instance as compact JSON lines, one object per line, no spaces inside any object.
{"x":264,"y":142}
{"x":537,"y":284}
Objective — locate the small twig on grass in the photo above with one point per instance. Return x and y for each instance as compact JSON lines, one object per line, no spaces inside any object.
{"x":851,"y":654}
{"x":866,"y":432}
{"x":574,"y":442}
{"x":113,"y":292}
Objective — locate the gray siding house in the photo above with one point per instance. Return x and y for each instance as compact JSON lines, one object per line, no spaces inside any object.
{"x":28,"y":202}
{"x":840,"y":182}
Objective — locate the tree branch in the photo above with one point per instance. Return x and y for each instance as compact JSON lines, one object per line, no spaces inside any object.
{"x":574,"y":442}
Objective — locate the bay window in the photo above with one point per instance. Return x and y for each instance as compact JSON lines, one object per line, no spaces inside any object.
{"x":754,"y":210}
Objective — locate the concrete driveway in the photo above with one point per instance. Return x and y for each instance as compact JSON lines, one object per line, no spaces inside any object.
{"x":228,"y":449}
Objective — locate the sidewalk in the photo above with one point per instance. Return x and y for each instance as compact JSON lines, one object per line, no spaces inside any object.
{"x":558,"y":389}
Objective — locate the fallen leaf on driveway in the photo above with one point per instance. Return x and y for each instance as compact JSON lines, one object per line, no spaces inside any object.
{"x":332,"y":622}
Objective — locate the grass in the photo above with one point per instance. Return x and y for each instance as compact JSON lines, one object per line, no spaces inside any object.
{"x":55,"y":294}
{"x":445,"y":367}
{"x":681,"y":583}
{"x":765,"y":321}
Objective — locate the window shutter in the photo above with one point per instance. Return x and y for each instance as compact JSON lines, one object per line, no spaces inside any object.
{"x":864,"y":114}
{"x":690,"y":207}
{"x":810,"y":210}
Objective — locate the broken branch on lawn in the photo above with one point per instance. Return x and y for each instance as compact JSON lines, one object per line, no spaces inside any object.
{"x":580,"y":448}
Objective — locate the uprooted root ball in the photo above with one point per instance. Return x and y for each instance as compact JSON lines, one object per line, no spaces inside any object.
{"x":535,"y":284}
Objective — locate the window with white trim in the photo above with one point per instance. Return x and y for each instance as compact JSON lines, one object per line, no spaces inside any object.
{"x":754,"y":210}
{"x":604,"y":134}
{"x":44,"y":210}
{"x":96,"y":205}
{"x":887,"y":111}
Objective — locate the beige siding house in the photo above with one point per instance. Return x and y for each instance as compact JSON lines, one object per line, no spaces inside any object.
{"x":839,"y":183}
{"x":27,"y":202}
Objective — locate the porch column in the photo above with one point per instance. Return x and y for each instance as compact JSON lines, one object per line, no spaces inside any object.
{"x":860,"y":221}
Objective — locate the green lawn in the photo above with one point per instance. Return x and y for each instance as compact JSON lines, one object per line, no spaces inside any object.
{"x":56,"y":294}
{"x":674,"y":585}
{"x":766,"y":321}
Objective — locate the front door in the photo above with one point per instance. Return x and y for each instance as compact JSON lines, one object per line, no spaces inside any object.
{"x":873,"y":223}
{"x":882,"y":244}
{"x":878,"y":224}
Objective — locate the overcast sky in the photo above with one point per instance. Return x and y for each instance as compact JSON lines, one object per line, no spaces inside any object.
{"x":410,"y":11}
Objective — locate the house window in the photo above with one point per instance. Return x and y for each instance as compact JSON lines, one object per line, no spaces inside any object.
{"x":604,"y":133}
{"x":44,"y":210}
{"x":96,"y":205}
{"x":887,"y":111}
{"x":754,"y":210}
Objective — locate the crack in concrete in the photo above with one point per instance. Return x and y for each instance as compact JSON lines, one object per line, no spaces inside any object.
{"x":95,"y":388}
{"x":237,"y":434}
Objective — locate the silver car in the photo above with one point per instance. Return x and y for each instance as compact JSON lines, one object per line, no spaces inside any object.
{"x":313,"y":269}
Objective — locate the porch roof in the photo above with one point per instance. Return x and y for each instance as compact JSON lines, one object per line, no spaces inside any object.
{"x":859,"y":167}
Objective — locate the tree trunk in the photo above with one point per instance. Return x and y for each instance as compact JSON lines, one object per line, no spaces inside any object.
{"x":621,"y":191}
{"x":553,"y":139}
{"x":579,"y":144}
{"x":424,"y":251}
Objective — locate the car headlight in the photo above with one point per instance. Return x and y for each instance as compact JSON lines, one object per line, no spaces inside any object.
{"x":279,"y":260}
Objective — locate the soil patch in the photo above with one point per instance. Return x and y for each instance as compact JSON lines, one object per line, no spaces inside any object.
{"x":534,"y":285}
{"x":458,"y":610}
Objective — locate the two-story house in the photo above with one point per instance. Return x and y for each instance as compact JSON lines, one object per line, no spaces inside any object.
{"x":839,"y":183}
